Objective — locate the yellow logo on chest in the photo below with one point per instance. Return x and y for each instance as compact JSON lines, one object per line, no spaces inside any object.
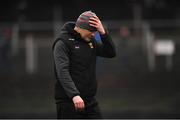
{"x":90,"y":45}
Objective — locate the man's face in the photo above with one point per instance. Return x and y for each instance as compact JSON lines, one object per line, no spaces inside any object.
{"x":86,"y":34}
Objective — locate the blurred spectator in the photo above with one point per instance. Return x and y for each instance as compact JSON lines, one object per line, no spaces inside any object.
{"x":5,"y":37}
{"x":123,"y":55}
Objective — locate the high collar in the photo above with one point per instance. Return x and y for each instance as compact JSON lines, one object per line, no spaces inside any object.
{"x":68,"y":28}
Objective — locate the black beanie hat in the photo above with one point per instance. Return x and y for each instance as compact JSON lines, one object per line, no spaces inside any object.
{"x":83,"y":21}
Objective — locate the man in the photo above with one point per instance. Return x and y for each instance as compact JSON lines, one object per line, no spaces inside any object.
{"x":75,"y":52}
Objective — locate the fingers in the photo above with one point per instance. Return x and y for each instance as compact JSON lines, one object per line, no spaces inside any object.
{"x":94,"y":22}
{"x":79,"y":106}
{"x":78,"y":103}
{"x":94,"y":19}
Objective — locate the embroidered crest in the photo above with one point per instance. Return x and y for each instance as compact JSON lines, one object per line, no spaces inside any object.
{"x":90,"y":45}
{"x":76,"y":47}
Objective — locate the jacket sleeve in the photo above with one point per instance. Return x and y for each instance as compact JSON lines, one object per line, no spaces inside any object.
{"x":61,"y":59}
{"x":106,"y":49}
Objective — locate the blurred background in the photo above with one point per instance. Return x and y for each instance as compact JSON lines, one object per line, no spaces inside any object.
{"x":141,"y":82}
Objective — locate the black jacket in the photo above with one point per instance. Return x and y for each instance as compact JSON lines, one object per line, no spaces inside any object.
{"x":75,"y":62}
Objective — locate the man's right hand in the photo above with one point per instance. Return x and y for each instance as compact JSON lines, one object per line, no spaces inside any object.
{"x":78,"y":103}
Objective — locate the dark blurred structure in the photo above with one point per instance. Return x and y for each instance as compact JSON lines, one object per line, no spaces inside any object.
{"x":108,"y":10}
{"x":141,"y":82}
{"x":5,"y":40}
